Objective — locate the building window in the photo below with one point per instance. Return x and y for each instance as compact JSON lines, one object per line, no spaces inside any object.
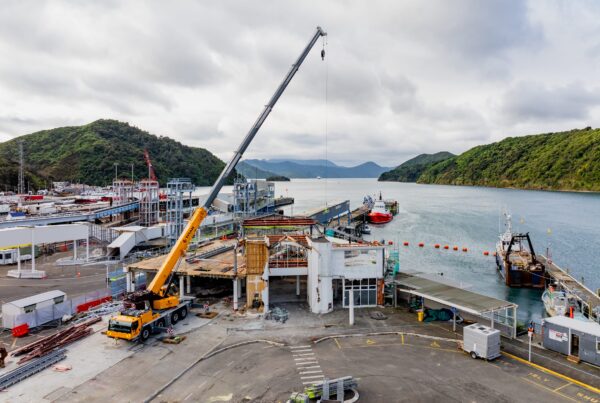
{"x":59,"y":300}
{"x":364,"y":292}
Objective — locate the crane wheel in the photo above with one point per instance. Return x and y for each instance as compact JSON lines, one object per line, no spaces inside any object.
{"x":174,"y":317}
{"x":473,"y":355}
{"x":145,"y":333}
{"x":160,"y":323}
{"x":183,"y":312}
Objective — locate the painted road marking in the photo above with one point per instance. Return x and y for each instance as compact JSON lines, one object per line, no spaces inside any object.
{"x":307,"y":365}
{"x":337,"y":343}
{"x":311,"y":376}
{"x":549,"y":371}
{"x":547,"y":388}
{"x":370,"y":342}
{"x":565,"y":385}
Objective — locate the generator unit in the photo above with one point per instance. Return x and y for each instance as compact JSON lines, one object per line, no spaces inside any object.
{"x":481,"y":341}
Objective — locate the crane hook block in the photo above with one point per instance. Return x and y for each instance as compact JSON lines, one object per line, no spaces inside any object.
{"x":322,"y":54}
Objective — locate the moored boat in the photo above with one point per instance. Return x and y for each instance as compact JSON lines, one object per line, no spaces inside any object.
{"x":555,"y":301}
{"x":516,"y":260}
{"x":379,"y":214}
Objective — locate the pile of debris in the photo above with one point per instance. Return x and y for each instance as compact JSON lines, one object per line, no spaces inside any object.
{"x":50,"y":343}
{"x":278,"y":314}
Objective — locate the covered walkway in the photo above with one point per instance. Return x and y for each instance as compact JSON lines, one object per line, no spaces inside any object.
{"x":496,"y":310}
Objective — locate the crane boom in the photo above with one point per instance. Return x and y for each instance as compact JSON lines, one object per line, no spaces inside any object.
{"x":157,"y":286}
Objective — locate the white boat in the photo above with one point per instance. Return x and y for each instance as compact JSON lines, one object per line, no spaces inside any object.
{"x":556,"y":302}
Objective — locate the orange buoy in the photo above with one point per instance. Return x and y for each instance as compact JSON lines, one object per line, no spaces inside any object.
{"x":486,"y":253}
{"x":421,"y":244}
{"x":455,"y":248}
{"x":437,"y":245}
{"x":390,"y":242}
{"x":465,"y":249}
{"x":446,"y":247}
{"x":405,"y":243}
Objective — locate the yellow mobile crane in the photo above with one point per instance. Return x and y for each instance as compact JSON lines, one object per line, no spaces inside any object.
{"x":154,"y":307}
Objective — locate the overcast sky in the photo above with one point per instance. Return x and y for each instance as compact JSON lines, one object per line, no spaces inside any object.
{"x":403,"y":77}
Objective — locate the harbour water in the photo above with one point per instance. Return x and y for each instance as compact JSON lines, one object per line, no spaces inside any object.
{"x":567,"y":223}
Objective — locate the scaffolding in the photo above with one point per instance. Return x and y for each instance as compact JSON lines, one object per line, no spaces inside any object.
{"x":178,"y":190}
{"x":253,"y":197}
{"x":123,"y":190}
{"x":149,"y":202}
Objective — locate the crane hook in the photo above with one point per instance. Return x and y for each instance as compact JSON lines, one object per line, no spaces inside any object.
{"x":322,"y":54}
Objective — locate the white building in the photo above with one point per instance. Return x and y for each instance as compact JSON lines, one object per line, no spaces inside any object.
{"x":337,"y":265}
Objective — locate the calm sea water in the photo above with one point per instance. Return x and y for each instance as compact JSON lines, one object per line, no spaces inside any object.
{"x":567,"y":223}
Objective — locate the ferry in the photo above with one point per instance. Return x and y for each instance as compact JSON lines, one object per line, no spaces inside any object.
{"x":379,"y":214}
{"x":516,"y":260}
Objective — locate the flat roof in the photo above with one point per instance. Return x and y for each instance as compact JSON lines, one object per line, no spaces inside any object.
{"x":34,"y":299}
{"x":584,"y":326}
{"x":458,"y":298}
{"x":215,"y":266}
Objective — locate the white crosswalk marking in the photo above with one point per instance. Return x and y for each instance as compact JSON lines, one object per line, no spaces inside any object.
{"x":308,"y":366}
{"x":311,"y":372}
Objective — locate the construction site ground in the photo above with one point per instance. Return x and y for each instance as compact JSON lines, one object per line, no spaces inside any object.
{"x":396,"y":359}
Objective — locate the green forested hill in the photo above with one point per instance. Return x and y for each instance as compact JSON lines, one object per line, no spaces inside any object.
{"x":87,"y":154}
{"x":553,"y":161}
{"x":412,"y":169}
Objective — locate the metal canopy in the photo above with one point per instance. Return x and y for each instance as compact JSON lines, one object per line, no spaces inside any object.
{"x":458,"y":298}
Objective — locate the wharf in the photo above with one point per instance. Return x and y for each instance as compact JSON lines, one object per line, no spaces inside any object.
{"x":573,"y":286}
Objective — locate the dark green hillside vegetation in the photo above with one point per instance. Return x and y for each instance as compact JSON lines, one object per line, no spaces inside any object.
{"x":411,"y":170}
{"x":278,"y":178}
{"x":87,"y":154}
{"x":554,"y":161}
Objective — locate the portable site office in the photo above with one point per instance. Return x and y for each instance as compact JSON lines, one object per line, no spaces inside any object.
{"x":33,"y":304}
{"x":573,"y":337}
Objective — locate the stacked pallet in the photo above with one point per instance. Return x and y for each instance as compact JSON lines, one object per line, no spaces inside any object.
{"x":50,"y":343}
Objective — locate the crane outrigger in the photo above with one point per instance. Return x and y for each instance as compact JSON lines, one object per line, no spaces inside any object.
{"x":154,"y":307}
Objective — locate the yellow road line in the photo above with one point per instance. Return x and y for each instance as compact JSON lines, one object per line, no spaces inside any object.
{"x":564,"y":386}
{"x":402,"y":338}
{"x":549,"y":371}
{"x":548,"y":389}
{"x":337,"y":342}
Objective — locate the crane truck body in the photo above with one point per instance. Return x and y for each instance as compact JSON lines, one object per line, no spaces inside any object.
{"x":154,"y":308}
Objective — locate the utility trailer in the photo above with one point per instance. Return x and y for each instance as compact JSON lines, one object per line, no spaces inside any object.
{"x":139,"y":324}
{"x":481,"y":341}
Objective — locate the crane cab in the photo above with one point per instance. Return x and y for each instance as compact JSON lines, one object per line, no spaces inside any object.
{"x":131,"y":324}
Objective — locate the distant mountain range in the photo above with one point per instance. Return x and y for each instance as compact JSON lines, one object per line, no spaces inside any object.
{"x":313,"y":168}
{"x":552,"y":161}
{"x":87,"y":154}
{"x":411,"y":170}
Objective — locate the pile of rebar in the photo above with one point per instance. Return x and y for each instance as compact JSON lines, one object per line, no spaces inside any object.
{"x":50,"y":343}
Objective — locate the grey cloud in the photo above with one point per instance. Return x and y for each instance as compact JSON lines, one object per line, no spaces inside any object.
{"x":535,"y":101}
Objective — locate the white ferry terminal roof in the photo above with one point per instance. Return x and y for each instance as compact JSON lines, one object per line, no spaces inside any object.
{"x":458,"y":298}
